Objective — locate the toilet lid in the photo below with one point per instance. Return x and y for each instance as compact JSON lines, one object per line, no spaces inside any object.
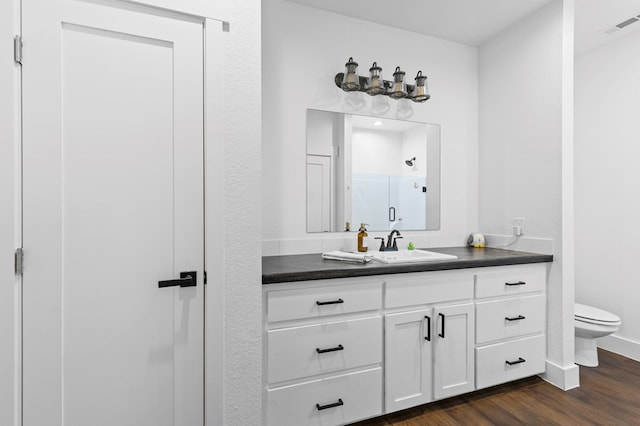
{"x":589,"y":313}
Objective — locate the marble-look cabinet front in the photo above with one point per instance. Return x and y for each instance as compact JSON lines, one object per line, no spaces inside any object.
{"x":341,"y":350}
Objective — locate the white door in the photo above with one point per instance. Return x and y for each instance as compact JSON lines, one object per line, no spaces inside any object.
{"x":453,"y":370}
{"x":318,"y":193}
{"x":113,"y":204}
{"x":408,"y":358}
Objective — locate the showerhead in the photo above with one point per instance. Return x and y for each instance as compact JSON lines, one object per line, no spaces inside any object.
{"x":410,"y":162}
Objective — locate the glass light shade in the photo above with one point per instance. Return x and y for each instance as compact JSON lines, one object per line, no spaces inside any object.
{"x":420,"y":92}
{"x":398,"y":86}
{"x":375,"y":83}
{"x":351,"y":79}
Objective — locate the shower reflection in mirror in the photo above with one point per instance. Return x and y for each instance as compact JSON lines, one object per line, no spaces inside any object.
{"x":374,"y":170}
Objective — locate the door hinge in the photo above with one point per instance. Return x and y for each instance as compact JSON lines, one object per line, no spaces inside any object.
{"x":17,"y":49}
{"x":18,"y":259}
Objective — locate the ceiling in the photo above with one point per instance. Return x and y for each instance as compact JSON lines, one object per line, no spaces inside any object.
{"x":594,"y":16}
{"x":473,"y":22}
{"x":464,"y":21}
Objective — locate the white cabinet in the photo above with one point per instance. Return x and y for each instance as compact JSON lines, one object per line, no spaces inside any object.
{"x":442,"y":333}
{"x":308,"y":350}
{"x":329,"y":401}
{"x":323,"y":352}
{"x":429,"y":351}
{"x":510,"y":318}
{"x":408,"y":359}
{"x":511,"y":360}
{"x":427,"y":288}
{"x":453,"y":369}
{"x":323,"y":301}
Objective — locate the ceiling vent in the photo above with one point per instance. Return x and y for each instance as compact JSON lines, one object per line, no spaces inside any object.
{"x":621,"y":25}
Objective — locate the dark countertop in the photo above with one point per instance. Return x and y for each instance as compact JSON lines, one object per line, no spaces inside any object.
{"x":308,"y":267}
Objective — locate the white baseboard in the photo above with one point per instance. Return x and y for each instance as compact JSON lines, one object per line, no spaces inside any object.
{"x":621,"y":346}
{"x":564,"y":378}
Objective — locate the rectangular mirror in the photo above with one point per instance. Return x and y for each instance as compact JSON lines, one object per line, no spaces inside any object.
{"x":378,"y":171}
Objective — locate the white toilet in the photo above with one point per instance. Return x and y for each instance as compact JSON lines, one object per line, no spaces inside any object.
{"x":591,"y":323}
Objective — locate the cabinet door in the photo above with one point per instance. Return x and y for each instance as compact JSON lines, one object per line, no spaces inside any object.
{"x":453,"y":371}
{"x":408,"y":359}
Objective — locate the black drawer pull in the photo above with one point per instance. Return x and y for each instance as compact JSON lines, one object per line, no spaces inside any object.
{"x":442,"y":334}
{"x":335,"y":404}
{"x":516,"y":283}
{"x":331,"y":302}
{"x":518,"y":318}
{"x":519,"y":361}
{"x":324,"y":351}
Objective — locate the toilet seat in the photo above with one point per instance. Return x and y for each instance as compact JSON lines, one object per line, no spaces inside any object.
{"x":591,"y":315}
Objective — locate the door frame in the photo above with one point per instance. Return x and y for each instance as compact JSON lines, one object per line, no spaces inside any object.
{"x":10,"y":217}
{"x":214,"y":220}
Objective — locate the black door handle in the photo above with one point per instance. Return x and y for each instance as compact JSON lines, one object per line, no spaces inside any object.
{"x":187,"y":279}
{"x":428,"y":336}
{"x":442,"y":334}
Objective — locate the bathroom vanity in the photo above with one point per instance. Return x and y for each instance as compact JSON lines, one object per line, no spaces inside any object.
{"x":345,"y":342}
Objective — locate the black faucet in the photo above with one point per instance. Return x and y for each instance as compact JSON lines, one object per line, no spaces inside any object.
{"x":391,"y":241}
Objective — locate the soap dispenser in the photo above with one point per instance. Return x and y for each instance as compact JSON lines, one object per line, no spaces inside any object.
{"x":362,"y":235}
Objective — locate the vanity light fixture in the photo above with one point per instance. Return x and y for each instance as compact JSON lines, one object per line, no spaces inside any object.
{"x":350,"y":81}
{"x":420,"y":92}
{"x":398,"y":86}
{"x":374,"y":84}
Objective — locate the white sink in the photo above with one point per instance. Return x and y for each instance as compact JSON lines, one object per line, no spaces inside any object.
{"x":409,"y":256}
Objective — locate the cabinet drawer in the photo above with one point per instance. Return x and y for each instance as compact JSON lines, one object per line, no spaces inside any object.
{"x":496,"y":282}
{"x":506,"y":318}
{"x":428,"y":288}
{"x":313,"y":302}
{"x":354,"y":396}
{"x":527,"y":357}
{"x":297,"y":352}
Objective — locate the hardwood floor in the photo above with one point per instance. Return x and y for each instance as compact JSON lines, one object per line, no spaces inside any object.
{"x":608,"y":395}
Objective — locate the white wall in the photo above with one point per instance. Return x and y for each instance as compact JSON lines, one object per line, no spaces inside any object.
{"x":521,"y":150}
{"x":303,"y":49}
{"x":242,"y":215}
{"x":413,"y":145}
{"x":607,"y":186}
{"x":322,"y":134}
{"x":377,"y":152}
{"x":9,"y":225}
